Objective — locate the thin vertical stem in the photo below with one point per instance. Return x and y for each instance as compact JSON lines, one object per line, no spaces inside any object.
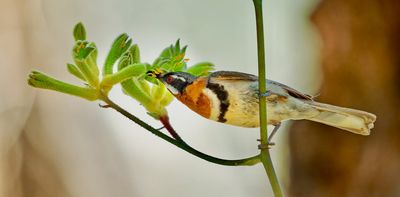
{"x":264,"y":155}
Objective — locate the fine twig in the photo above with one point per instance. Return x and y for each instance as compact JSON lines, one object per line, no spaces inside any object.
{"x":180,"y":143}
{"x":265,"y":156}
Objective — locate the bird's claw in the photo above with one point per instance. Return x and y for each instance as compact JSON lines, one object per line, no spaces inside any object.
{"x":269,"y":145}
{"x":265,"y":94}
{"x":266,"y":146}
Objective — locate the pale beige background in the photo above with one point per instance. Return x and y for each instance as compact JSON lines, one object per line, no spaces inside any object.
{"x":56,"y":145}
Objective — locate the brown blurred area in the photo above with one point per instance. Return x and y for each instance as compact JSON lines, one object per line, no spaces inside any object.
{"x":361,"y":67}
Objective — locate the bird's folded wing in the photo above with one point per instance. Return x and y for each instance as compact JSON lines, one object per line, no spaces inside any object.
{"x":238,"y":76}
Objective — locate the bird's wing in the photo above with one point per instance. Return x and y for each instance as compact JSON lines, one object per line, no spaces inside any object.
{"x":291,"y":91}
{"x":231,"y":75}
{"x":238,"y":76}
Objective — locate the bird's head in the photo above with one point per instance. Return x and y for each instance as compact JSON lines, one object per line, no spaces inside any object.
{"x":175,"y":82}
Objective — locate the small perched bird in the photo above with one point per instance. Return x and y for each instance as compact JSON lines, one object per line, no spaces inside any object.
{"x":233,"y":98}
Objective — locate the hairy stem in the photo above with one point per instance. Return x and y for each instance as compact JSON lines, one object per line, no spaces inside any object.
{"x":180,"y":143}
{"x":264,"y":155}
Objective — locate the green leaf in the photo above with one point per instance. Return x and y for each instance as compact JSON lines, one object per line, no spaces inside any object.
{"x":200,"y":69}
{"x":171,"y":58}
{"x":79,"y":32}
{"x":119,"y":46}
{"x":183,"y":51}
{"x":75,"y":71}
{"x":177,"y":46}
{"x":40,"y":80}
{"x":167,"y":52}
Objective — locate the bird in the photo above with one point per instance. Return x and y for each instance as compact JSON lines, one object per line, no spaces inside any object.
{"x":233,"y":98}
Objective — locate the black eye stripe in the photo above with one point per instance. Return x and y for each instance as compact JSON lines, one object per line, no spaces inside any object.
{"x":178,"y":80}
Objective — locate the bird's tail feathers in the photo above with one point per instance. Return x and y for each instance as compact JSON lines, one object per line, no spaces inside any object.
{"x":355,"y":121}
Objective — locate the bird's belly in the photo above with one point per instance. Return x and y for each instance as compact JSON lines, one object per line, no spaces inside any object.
{"x":249,"y":117}
{"x":243,"y":106}
{"x":245,"y":113}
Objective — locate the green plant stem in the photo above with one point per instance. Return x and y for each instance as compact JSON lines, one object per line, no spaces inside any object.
{"x":179,"y":143}
{"x":128,"y":72}
{"x":264,"y":154}
{"x":41,"y":80}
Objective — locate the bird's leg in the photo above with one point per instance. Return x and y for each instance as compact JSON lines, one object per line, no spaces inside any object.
{"x":276,"y":128}
{"x":277,"y":125}
{"x":270,"y":143}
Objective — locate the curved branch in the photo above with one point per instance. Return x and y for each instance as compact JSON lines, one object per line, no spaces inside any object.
{"x":180,"y":143}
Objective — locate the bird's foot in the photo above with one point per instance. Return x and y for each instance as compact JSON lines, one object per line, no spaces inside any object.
{"x":266,"y":146}
{"x":269,"y":145}
{"x":265,"y":94}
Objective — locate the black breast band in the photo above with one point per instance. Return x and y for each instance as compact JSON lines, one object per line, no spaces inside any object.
{"x":222,"y":96}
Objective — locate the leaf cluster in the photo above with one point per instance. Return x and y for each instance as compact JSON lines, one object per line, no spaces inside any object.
{"x":121,"y":66}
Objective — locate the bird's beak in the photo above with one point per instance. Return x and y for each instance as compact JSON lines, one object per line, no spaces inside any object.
{"x":154,"y":74}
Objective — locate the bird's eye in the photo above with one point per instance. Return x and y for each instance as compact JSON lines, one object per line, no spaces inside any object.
{"x":169,"y":79}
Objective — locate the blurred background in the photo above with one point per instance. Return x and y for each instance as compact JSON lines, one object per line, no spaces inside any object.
{"x":57,"y":145}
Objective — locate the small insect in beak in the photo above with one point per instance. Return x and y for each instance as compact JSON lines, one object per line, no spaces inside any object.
{"x":156,"y":73}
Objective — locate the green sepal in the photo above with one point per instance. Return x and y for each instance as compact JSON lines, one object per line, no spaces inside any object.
{"x":145,"y":86}
{"x":92,"y":59}
{"x":83,"y":55}
{"x":75,"y":71}
{"x":82,"y":50}
{"x":132,"y":87}
{"x":152,"y":80}
{"x":79,"y":32}
{"x":157,"y":92}
{"x":135,"y":54}
{"x":119,"y":46}
{"x":200,"y":69}
{"x":171,"y":58}
{"x":167,"y":99}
